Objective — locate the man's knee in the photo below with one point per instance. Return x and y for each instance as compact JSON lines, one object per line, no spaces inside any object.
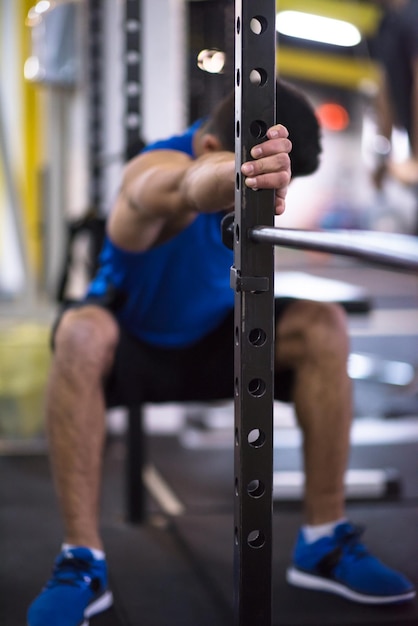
{"x":88,"y":333}
{"x":326,"y":329}
{"x":316,"y":328}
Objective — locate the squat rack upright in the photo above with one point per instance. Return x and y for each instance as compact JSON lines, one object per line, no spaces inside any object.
{"x":252,"y":278}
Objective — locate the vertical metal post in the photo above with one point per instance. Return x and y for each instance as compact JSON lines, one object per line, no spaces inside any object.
{"x":95,"y":12}
{"x":252,"y":278}
{"x":135,"y":460}
{"x":136,"y":438}
{"x":133,"y":60}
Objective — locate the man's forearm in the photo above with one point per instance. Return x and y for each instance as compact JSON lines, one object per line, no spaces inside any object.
{"x":208,"y":185}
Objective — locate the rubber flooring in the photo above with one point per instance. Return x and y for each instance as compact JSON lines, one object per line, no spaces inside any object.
{"x":179,"y":570}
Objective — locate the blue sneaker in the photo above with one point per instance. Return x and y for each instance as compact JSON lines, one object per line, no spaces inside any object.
{"x":77,"y":590}
{"x":342,"y":565}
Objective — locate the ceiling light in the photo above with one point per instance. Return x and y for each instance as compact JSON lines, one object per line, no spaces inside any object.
{"x":317,"y":28}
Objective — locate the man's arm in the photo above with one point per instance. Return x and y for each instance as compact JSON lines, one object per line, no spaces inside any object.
{"x":162,"y":191}
{"x":158,"y":191}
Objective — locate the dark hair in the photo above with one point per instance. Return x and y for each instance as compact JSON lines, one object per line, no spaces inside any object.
{"x":293,"y":110}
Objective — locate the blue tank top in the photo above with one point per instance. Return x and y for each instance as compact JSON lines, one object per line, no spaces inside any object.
{"x":177,"y":292}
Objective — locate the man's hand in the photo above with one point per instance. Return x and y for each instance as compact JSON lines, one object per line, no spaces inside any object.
{"x":271,"y":168}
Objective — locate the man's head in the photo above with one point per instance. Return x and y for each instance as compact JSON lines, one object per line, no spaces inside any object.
{"x":293,"y":110}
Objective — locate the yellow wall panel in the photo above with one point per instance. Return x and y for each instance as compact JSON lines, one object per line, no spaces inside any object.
{"x":32,"y":138}
{"x":323,"y":68}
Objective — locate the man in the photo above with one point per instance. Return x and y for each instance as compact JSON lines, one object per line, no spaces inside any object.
{"x":158,"y":320}
{"x":395,"y":48}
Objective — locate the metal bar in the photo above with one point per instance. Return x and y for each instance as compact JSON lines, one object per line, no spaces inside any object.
{"x":387,"y":249}
{"x":95,"y":13}
{"x":133,"y":65}
{"x":136,"y":443}
{"x":135,"y":463}
{"x":252,"y":278}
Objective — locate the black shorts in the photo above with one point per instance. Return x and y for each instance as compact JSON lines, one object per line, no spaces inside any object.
{"x":201,"y":372}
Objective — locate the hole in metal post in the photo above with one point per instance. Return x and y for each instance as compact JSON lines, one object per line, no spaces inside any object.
{"x":256,"y":438}
{"x":238,"y":78}
{"x":258,"y":24}
{"x":238,"y":129}
{"x":237,"y":233}
{"x":133,"y":26}
{"x":257,"y":387}
{"x":256,"y":539}
{"x":257,"y":337}
{"x":238,"y":25}
{"x":258,"y":77}
{"x":256,"y":489}
{"x":236,"y":336}
{"x":258,"y":129}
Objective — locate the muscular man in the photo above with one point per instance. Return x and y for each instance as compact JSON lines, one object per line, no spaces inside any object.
{"x":158,"y":321}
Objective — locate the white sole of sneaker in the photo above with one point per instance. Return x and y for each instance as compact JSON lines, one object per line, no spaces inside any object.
{"x":98,"y":606}
{"x":308,"y":581}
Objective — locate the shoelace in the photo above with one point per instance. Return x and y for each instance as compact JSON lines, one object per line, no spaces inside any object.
{"x":350,"y":542}
{"x":70,"y":570}
{"x":348,"y":545}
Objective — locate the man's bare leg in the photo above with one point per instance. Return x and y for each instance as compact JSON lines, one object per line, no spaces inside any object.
{"x":84,"y":349}
{"x":312,"y":338}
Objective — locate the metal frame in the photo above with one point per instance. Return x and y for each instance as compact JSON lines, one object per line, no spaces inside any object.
{"x":95,"y":25}
{"x":386,"y":249}
{"x":252,"y":279}
{"x":389,"y":250}
{"x":133,"y":61}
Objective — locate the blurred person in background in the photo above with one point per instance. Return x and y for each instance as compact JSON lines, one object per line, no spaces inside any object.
{"x":395,"y":48}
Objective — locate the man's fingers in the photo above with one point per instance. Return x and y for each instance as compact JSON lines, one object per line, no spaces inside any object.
{"x":272,"y":173}
{"x":269,"y":181}
{"x":277,"y":131}
{"x":270,"y":147}
{"x":268,"y":165}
